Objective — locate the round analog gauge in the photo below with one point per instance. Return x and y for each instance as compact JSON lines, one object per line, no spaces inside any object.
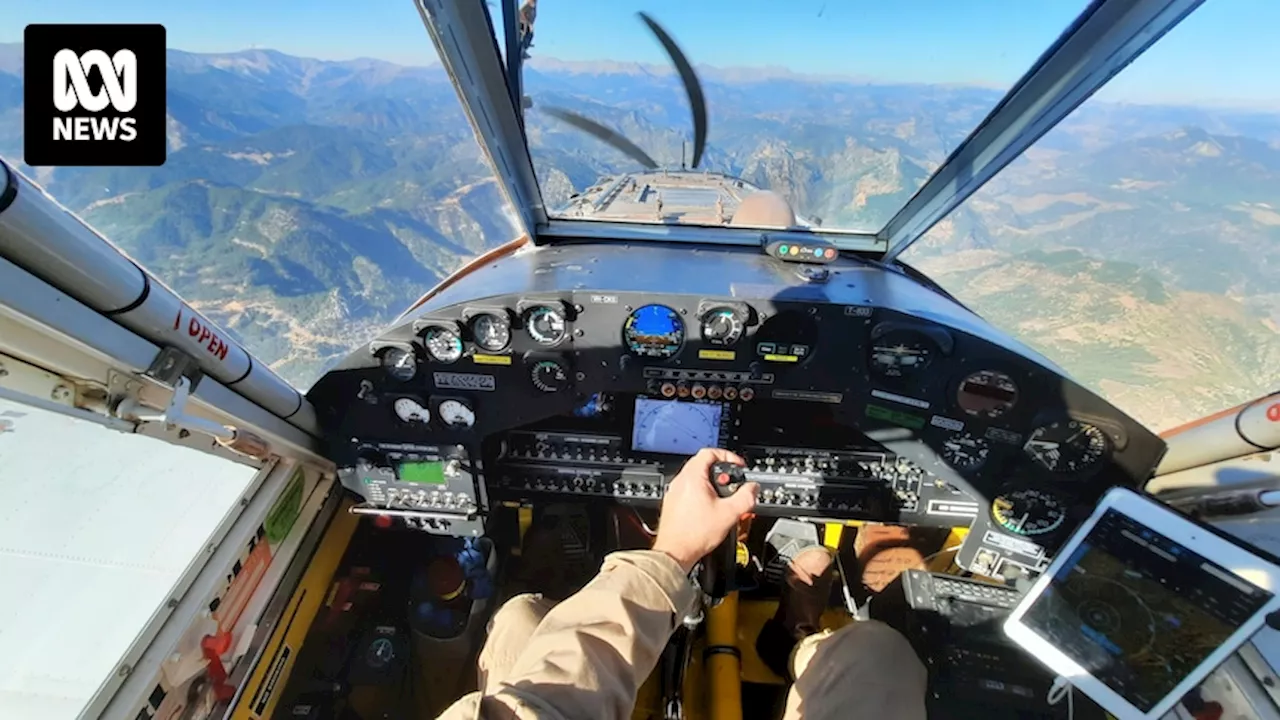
{"x":399,"y":363}
{"x":987,"y":394}
{"x":443,"y":344}
{"x":411,"y":411}
{"x":1028,"y":511}
{"x":965,"y":452}
{"x":653,"y":331}
{"x":548,"y":375}
{"x":901,"y":354}
{"x":456,"y":414}
{"x":721,"y":326}
{"x":492,"y":332}
{"x":545,"y":325}
{"x":1068,"y":446}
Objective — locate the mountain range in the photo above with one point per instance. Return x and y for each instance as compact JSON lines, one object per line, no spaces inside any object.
{"x":305,"y":203}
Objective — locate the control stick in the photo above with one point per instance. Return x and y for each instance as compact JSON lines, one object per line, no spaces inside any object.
{"x":717,"y":574}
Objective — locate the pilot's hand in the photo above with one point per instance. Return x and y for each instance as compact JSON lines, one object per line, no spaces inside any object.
{"x":694,"y":519}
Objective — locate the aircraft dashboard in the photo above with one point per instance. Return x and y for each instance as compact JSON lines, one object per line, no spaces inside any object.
{"x":853,"y":391}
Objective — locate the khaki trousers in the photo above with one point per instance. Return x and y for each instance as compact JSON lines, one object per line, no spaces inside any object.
{"x":863,"y":670}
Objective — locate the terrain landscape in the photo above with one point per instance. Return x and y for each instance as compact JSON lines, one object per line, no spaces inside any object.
{"x":305,"y":203}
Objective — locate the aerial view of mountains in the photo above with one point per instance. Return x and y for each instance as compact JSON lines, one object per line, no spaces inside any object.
{"x":306,"y":203}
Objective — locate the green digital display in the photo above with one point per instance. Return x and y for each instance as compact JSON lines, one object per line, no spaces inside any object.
{"x":422,"y":473}
{"x":907,"y":420}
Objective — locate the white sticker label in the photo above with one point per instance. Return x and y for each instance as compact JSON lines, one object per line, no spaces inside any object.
{"x":465,"y":381}
{"x":604,"y":299}
{"x":903,"y":399}
{"x":1011,"y":544}
{"x":946,"y":423}
{"x":958,"y":509}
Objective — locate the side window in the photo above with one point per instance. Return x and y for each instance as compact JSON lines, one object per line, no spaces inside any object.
{"x":96,"y":528}
{"x":1137,"y":242}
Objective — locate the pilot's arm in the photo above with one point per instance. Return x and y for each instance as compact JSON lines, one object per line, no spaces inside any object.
{"x":589,"y":655}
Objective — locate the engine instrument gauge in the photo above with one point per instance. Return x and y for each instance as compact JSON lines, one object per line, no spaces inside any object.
{"x":901,"y":354}
{"x":721,"y":326}
{"x":653,"y":331}
{"x":443,"y":344}
{"x":545,"y":325}
{"x":1068,"y":446}
{"x":411,"y":411}
{"x":1028,"y":511}
{"x":492,"y":332}
{"x":456,"y":414}
{"x":548,"y":375}
{"x":965,"y":452}
{"x":987,"y":394}
{"x":400,"y":363}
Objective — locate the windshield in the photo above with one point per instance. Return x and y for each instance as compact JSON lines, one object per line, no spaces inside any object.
{"x":311,"y":193}
{"x":845,"y":108}
{"x":1137,"y":244}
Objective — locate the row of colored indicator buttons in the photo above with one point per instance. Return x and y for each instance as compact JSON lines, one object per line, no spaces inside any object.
{"x":699,"y":391}
{"x":828,"y":253}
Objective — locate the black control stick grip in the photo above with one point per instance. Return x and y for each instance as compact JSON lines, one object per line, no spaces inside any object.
{"x":717,"y":575}
{"x":726,"y":478}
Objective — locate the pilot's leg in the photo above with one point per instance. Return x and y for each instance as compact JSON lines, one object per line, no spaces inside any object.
{"x":509,"y":632}
{"x":863,"y":670}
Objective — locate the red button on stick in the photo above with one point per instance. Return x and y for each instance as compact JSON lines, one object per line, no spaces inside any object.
{"x":722,"y":479}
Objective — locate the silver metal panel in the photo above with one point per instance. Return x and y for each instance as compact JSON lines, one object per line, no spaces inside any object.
{"x":466,"y":45}
{"x":623,"y":231}
{"x":26,"y":299}
{"x":1106,"y":38}
{"x":41,"y":235}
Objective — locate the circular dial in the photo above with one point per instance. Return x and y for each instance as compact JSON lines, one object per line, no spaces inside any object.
{"x":456,"y":414}
{"x":965,"y":452}
{"x":721,"y":326}
{"x":654,"y":331}
{"x":901,"y":354}
{"x":411,"y":411}
{"x":987,"y":394}
{"x":1068,"y":446}
{"x":545,"y":325}
{"x":492,"y":332}
{"x":443,"y":344}
{"x":399,"y":363}
{"x":1028,"y":511}
{"x":548,"y":375}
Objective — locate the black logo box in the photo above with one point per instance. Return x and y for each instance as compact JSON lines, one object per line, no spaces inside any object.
{"x":147,"y":148}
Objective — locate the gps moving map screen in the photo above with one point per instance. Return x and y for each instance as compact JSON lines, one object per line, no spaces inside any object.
{"x":677,"y":428}
{"x":1139,"y":611}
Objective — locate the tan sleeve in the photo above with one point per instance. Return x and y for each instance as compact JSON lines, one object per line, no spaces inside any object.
{"x":590,"y":654}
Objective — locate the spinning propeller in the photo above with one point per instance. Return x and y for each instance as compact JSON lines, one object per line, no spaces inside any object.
{"x":692,"y":87}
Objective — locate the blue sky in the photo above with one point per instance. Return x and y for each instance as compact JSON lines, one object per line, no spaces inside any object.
{"x":1225,"y":53}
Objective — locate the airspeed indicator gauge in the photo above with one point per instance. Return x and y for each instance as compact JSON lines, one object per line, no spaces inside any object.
{"x":1028,"y":511}
{"x":548,"y":375}
{"x":411,"y":411}
{"x":545,"y":324}
{"x":443,"y":344}
{"x":1068,"y":446}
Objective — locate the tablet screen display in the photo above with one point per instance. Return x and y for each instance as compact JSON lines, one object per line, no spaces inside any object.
{"x":1139,"y":611}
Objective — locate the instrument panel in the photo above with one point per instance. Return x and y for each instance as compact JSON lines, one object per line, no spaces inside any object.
{"x":845,"y":386}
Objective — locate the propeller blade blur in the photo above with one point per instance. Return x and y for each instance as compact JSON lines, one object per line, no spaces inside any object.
{"x":697,"y":102}
{"x":612,"y":137}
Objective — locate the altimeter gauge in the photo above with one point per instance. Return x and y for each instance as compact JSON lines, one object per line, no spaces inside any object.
{"x":491,"y":332}
{"x":1068,"y":446}
{"x":965,"y":452}
{"x":1028,"y":511}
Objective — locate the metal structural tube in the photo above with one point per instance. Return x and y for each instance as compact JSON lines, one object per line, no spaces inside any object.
{"x":49,"y":241}
{"x":1244,"y":430}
